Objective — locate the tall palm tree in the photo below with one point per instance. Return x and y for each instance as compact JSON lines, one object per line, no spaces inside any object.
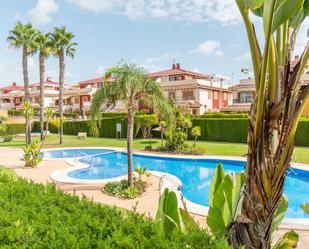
{"x":42,"y":43}
{"x":21,"y":36}
{"x":129,"y":83}
{"x":275,"y":114}
{"x":63,"y":45}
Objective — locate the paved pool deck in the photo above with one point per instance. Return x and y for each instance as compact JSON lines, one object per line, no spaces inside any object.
{"x":146,"y":204}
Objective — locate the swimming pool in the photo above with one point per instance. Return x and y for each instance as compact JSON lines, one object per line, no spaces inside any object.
{"x":195,"y":174}
{"x":72,"y":153}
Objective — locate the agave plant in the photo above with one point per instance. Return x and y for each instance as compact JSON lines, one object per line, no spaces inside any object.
{"x":274,"y":117}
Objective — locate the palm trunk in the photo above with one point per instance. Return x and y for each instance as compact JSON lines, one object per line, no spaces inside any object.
{"x":42,"y":72}
{"x":61,"y":81}
{"x":161,"y":139}
{"x":26,"y":89}
{"x":130,"y":145}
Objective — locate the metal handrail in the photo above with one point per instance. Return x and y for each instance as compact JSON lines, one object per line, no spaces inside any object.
{"x":80,"y":152}
{"x":177,"y":185}
{"x":293,"y":171}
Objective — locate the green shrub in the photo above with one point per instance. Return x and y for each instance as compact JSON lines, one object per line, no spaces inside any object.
{"x":224,"y":115}
{"x":302,"y":133}
{"x":15,"y":113}
{"x":38,"y":216}
{"x":13,"y":129}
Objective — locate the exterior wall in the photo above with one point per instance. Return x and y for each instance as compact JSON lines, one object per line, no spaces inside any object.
{"x":205,"y":100}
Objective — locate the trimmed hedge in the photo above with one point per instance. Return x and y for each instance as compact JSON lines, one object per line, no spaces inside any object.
{"x":302,"y":133}
{"x":224,"y":115}
{"x":41,"y":216}
{"x":222,"y":130}
{"x":13,"y":129}
{"x":213,"y":129}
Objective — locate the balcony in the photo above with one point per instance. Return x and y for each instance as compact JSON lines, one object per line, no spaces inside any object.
{"x":183,"y":98}
{"x":79,"y":91}
{"x":6,"y":105}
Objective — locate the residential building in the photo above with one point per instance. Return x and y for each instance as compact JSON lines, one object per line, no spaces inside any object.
{"x":244,"y":92}
{"x":13,"y":96}
{"x":194,"y":92}
{"x":79,"y":96}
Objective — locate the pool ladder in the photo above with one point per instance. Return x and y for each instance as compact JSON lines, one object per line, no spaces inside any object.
{"x":81,"y":153}
{"x":178,"y":187}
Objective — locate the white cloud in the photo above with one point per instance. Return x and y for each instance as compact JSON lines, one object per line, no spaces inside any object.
{"x":244,"y":57}
{"x":40,"y":14}
{"x":223,"y":11}
{"x":208,"y":48}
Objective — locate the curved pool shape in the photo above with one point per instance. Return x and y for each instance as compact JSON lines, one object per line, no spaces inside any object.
{"x":72,"y":153}
{"x":196,"y":175}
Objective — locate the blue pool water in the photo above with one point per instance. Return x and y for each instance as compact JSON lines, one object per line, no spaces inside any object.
{"x":72,"y":153}
{"x":196,"y":175}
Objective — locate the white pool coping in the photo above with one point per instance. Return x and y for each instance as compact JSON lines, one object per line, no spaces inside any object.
{"x":168,"y":180}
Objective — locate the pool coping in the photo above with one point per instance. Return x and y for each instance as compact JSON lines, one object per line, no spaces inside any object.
{"x":168,"y":180}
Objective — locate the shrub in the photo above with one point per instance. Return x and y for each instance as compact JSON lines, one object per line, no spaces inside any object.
{"x":224,"y":115}
{"x":13,"y":129}
{"x":176,"y":141}
{"x":122,"y":189}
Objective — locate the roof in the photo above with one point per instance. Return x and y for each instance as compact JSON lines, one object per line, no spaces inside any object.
{"x":47,"y":83}
{"x":91,"y":81}
{"x":12,"y":88}
{"x":177,"y":71}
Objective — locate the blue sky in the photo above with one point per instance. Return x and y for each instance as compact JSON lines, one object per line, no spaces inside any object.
{"x":203,"y":35}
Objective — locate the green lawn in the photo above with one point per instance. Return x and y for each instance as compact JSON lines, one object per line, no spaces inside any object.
{"x":301,"y":154}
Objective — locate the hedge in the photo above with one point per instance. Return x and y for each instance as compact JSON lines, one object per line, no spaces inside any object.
{"x":213,"y":129}
{"x":13,"y":129}
{"x":222,"y":130}
{"x":42,"y":216}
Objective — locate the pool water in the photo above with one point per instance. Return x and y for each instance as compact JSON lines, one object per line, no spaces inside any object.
{"x":196,"y":175}
{"x":72,"y":153}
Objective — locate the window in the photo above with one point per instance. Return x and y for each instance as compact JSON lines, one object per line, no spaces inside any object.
{"x":172,"y":95}
{"x":99,"y":85}
{"x":187,"y":95}
{"x":85,"y":98}
{"x":209,"y":95}
{"x":224,"y":96}
{"x":215,"y":95}
{"x":76,"y":100}
{"x":245,"y":97}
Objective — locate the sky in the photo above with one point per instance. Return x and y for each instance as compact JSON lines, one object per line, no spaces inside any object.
{"x":205,"y":36}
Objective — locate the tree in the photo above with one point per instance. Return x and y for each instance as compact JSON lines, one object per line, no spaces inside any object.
{"x":274,"y":115}
{"x":195,"y":132}
{"x":129,"y":83}
{"x":186,"y":124}
{"x":48,"y":116}
{"x":21,"y":36}
{"x":63,"y":44}
{"x":42,"y":43}
{"x":145,"y":123}
{"x":28,"y":114}
{"x":162,"y":125}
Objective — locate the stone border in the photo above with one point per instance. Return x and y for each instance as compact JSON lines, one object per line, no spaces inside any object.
{"x":168,"y":181}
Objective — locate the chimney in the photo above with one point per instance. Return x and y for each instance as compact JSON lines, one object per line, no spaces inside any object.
{"x":48,"y":79}
{"x":296,"y":57}
{"x":178,"y":66}
{"x":14,"y":84}
{"x":174,"y":66}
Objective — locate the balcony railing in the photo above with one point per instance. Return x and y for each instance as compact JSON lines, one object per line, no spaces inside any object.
{"x":183,"y":98}
{"x":6,"y":105}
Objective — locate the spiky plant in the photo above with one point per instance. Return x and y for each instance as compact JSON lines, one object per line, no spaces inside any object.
{"x":275,"y":113}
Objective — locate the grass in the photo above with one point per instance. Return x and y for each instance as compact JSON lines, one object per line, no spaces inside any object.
{"x":301,"y":154}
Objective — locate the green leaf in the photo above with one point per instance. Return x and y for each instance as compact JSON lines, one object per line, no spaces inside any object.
{"x":254,"y":4}
{"x":279,"y":214}
{"x":171,"y":208}
{"x":217,"y":179}
{"x":187,"y":220}
{"x":288,"y":241}
{"x":306,"y":208}
{"x":306,"y":8}
{"x":258,"y":11}
{"x":285,"y":11}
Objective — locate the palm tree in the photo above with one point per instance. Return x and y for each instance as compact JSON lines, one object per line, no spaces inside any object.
{"x":62,"y":45}
{"x":42,"y":43}
{"x":128,"y":83}
{"x":274,"y":117}
{"x":21,"y":36}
